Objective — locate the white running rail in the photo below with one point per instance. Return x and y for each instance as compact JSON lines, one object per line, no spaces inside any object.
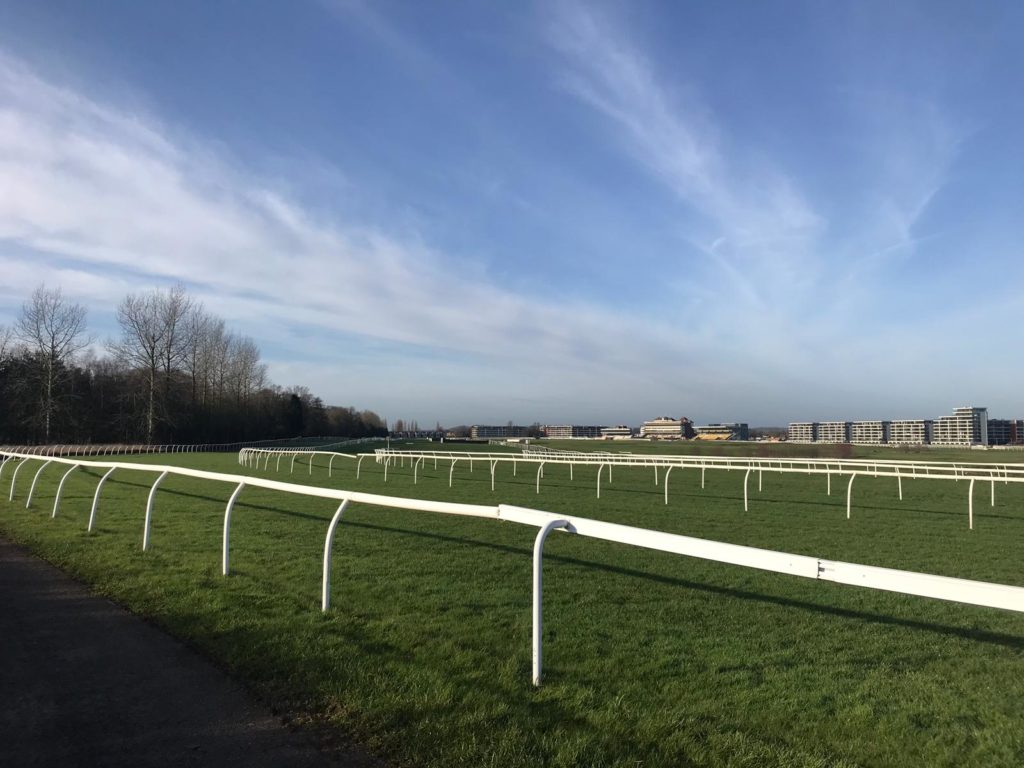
{"x":967,"y":591}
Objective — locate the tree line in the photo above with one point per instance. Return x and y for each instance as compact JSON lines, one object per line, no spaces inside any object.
{"x":176,"y":374}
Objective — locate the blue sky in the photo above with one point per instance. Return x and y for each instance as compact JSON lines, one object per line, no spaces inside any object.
{"x":556,"y":212}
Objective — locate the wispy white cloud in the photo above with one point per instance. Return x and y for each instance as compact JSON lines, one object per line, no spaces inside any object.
{"x":105,"y":201}
{"x":754,"y":212}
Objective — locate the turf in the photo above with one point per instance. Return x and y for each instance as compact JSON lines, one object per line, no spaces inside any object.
{"x":650,"y":659}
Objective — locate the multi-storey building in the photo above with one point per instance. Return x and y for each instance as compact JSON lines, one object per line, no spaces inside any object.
{"x":869,"y":432}
{"x":1005,"y":431}
{"x":802,"y":432}
{"x":620,"y":432}
{"x":723,"y":432}
{"x":910,"y":431}
{"x":667,"y":428}
{"x":565,"y":431}
{"x":967,"y":426}
{"x":834,"y":432}
{"x":487,"y":432}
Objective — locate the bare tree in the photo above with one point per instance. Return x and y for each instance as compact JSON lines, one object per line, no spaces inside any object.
{"x":142,"y":345}
{"x":54,"y":332}
{"x":6,"y":341}
{"x":174,"y":308}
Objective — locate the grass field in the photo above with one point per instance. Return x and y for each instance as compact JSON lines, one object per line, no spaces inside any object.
{"x":650,"y":659}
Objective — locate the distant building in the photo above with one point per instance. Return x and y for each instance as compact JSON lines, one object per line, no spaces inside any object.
{"x":667,"y":428}
{"x":802,"y":432}
{"x":620,"y":432}
{"x":870,"y":432}
{"x":723,"y":432}
{"x":967,"y":426}
{"x":910,"y":432}
{"x":568,"y":431}
{"x":484,"y":432}
{"x":1005,"y":431}
{"x":834,"y":432}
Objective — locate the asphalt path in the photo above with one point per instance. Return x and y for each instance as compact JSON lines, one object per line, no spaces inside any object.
{"x":85,"y":683}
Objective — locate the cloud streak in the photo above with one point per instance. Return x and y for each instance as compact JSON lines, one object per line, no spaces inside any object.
{"x":107,"y":201}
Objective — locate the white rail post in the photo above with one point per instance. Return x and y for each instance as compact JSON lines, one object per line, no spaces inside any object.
{"x":599,"y":469}
{"x":655,"y":474}
{"x":993,"y":502}
{"x":32,"y":488}
{"x":970,"y":505}
{"x":538,"y":613}
{"x":4,"y":464}
{"x":266,"y":460}
{"x":277,"y":467}
{"x":330,"y":465}
{"x":311,"y":457}
{"x":387,"y":462}
{"x":227,"y":529}
{"x":451,"y":472}
{"x":849,"y":493}
{"x":760,"y":478}
{"x":494,"y":465}
{"x":14,"y":477}
{"x":149,"y":511}
{"x":359,"y":464}
{"x":96,"y":497}
{"x":899,"y":480}
{"x":325,"y":587}
{"x":540,"y":471}
{"x":828,"y":474}
{"x":746,"y":477}
{"x":570,"y":470}
{"x":294,"y":457}
{"x":665,"y":483}
{"x":60,"y":489}
{"x":702,"y":468}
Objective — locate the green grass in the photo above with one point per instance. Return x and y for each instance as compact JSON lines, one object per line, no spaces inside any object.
{"x":650,"y":659}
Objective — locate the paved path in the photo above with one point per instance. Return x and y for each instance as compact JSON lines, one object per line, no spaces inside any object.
{"x":85,"y":683}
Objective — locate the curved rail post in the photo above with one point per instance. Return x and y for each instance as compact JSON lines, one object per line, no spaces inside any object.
{"x":14,"y":478}
{"x":665,"y":483}
{"x":702,"y":468}
{"x":330,"y":465}
{"x":540,"y":473}
{"x":96,"y":497}
{"x":899,"y":480}
{"x":600,"y":468}
{"x":415,"y":471}
{"x":828,"y":476}
{"x":655,"y":474}
{"x":359,"y":464}
{"x":277,"y":467}
{"x":311,"y":457}
{"x":538,"y":613}
{"x":149,"y":511}
{"x":387,"y":463}
{"x":451,"y":472}
{"x":294,"y":457}
{"x":992,"y":503}
{"x":35,"y":479}
{"x":60,"y":489}
{"x":494,"y":465}
{"x":760,"y":478}
{"x":227,"y":529}
{"x":4,"y":464}
{"x":746,"y":477}
{"x":266,"y":461}
{"x":325,"y":587}
{"x":570,"y":470}
{"x":849,"y":493}
{"x":970,"y":505}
